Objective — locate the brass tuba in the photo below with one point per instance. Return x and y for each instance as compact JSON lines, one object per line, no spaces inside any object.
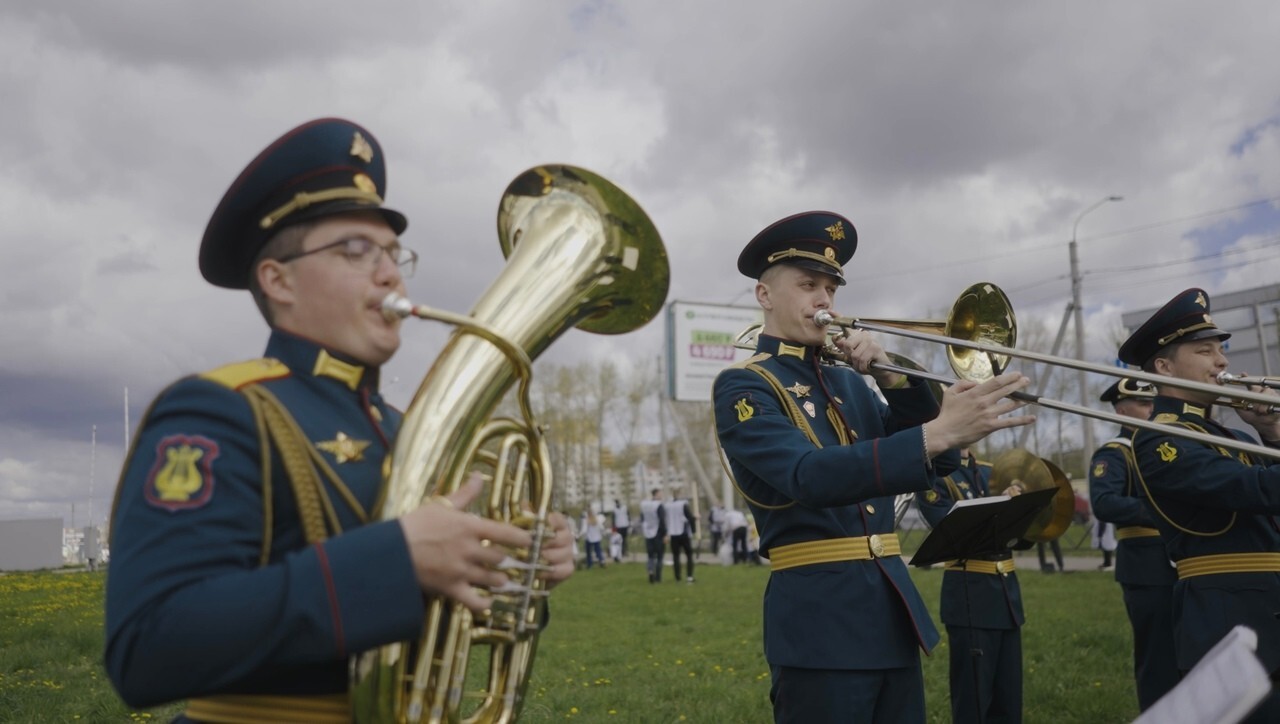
{"x":580,"y":253}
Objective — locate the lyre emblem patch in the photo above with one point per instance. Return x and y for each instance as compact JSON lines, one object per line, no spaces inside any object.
{"x":1100,"y":469}
{"x":1168,"y":453}
{"x":182,"y":476}
{"x":745,"y":410}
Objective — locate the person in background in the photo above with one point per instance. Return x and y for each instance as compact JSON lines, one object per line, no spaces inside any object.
{"x":1143,"y":570}
{"x":622,"y":523}
{"x":593,"y":535}
{"x":653,"y":524}
{"x":680,"y":528}
{"x":981,"y":609}
{"x":715,"y":524}
{"x":736,"y":523}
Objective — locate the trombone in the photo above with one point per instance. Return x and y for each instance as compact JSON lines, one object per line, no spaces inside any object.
{"x":984,"y":316}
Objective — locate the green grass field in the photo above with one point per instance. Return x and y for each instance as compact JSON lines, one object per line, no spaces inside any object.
{"x":618,"y":649}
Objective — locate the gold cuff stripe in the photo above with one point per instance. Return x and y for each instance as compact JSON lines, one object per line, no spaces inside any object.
{"x":1229,"y":563}
{"x":992,"y":567}
{"x":1136,"y":531}
{"x":792,"y":253}
{"x":235,"y":709}
{"x":860,"y":548}
{"x":303,"y":199}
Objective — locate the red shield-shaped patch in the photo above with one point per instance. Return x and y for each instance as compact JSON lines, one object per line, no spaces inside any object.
{"x":182,"y":476}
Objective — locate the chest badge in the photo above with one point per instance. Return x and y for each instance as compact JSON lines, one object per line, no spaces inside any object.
{"x":344,"y":449}
{"x":1168,"y":453}
{"x":799,"y":390}
{"x":810,"y":408}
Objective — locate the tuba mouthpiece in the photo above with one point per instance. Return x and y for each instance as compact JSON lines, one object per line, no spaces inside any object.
{"x":823,"y":318}
{"x":395,"y":307}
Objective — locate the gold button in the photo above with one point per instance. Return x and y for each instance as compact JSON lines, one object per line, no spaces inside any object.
{"x":871,"y":509}
{"x":877,"y":546}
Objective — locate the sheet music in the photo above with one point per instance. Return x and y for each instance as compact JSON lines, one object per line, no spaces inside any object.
{"x":1223,"y":688}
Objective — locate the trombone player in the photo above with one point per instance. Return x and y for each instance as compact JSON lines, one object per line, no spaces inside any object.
{"x":1143,"y":569}
{"x":819,"y":457}
{"x":1214,"y":508}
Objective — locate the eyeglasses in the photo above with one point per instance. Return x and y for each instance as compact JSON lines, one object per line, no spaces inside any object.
{"x":364,"y":254}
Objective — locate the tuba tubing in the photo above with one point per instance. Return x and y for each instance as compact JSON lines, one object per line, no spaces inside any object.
{"x":580,"y":253}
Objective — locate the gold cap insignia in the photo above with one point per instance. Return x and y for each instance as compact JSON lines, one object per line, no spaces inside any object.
{"x":361,"y":149}
{"x":836,"y":231}
{"x":344,"y":449}
{"x":365,"y":184}
{"x":1168,"y":453}
{"x":745,"y":410}
{"x":1201,"y":300}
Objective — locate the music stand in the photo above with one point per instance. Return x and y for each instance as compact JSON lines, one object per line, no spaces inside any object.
{"x":981,"y":526}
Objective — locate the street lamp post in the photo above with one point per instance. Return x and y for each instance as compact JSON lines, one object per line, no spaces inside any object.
{"x":1078,"y":311}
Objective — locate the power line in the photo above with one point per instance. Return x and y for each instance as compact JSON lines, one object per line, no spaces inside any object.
{"x":1056,"y":245}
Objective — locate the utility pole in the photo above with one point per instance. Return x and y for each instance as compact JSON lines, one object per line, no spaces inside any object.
{"x":1078,"y":309}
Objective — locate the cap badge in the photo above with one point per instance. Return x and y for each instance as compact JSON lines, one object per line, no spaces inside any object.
{"x":829,"y":253}
{"x":1201,"y":300}
{"x":365,"y":184}
{"x":799,"y":390}
{"x":361,"y":149}
{"x":344,"y":449}
{"x":836,"y":231}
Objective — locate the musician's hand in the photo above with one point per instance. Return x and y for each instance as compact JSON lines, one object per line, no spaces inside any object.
{"x":861,"y":350}
{"x":455,"y":552}
{"x":559,"y":551}
{"x":1255,"y":414}
{"x":971,"y":411}
{"x":1015,"y":488}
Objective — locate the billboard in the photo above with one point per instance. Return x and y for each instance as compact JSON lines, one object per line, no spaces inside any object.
{"x":700,"y":341}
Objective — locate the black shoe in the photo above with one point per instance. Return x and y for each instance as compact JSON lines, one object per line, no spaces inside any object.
{"x":1048,"y":569}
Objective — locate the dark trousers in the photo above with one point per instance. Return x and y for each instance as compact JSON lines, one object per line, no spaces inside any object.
{"x":1155,"y":667}
{"x":715,"y":542}
{"x":814,"y":696}
{"x":739,"y":545}
{"x":681,"y":543}
{"x":654,"y":549}
{"x":986,"y":675}
{"x":1057,"y":554}
{"x":623,"y":532}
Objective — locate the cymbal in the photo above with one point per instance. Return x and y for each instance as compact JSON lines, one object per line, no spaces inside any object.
{"x":1036,"y":473}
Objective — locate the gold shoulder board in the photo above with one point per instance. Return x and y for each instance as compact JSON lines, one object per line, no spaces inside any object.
{"x":1165,"y":418}
{"x":239,"y":374}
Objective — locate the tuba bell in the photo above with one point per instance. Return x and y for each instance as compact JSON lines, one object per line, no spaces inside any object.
{"x":580,"y":252}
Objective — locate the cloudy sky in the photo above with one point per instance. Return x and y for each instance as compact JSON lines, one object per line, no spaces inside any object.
{"x":963,"y":139}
